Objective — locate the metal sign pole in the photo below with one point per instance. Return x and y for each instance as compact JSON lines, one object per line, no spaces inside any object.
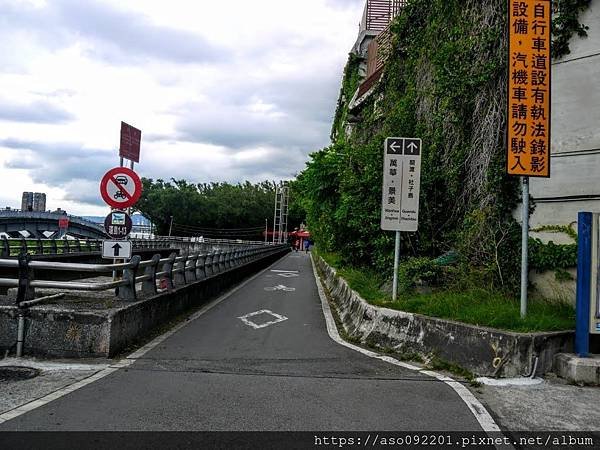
{"x":525,"y":247}
{"x":396,"y":263}
{"x":114,"y":273}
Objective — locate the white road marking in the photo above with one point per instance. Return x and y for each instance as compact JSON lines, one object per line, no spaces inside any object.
{"x":48,"y":366}
{"x":285,"y":271}
{"x":288,"y":275}
{"x":280,"y":287}
{"x":247,"y":321}
{"x":481,"y":414}
{"x":127,"y":361}
{"x":509,"y":381}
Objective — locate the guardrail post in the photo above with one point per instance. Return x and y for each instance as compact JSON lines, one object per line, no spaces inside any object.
{"x":228,"y":259}
{"x":40,"y":247}
{"x":214,"y":262}
{"x":201,"y":267}
{"x":78,"y":244}
{"x":190,"y":271}
{"x":180,"y":273}
{"x":217,"y":261}
{"x":127,"y":292}
{"x":5,"y":247}
{"x":24,"y":248}
{"x":54,"y":247}
{"x":211,"y":268}
{"x":234,"y":258}
{"x":25,"y":291}
{"x":168,"y":268}
{"x":223,"y":260}
{"x":149,"y":286}
{"x":66,"y":248}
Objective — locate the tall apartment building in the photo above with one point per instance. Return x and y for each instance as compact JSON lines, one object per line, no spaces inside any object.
{"x":33,"y":201}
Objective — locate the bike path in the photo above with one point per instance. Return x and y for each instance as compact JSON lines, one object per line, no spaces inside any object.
{"x":230,"y":369}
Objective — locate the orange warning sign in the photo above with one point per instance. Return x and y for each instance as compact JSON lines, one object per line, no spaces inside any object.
{"x":529,"y":88}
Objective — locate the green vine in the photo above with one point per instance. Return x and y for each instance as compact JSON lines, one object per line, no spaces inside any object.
{"x":551,"y":256}
{"x":350,"y":83}
{"x":565,"y":23}
{"x":566,"y":229}
{"x":445,"y":82}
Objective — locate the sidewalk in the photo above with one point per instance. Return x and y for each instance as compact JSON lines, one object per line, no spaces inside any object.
{"x":551,"y":405}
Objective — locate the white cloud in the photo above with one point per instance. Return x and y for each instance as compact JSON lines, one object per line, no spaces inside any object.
{"x":223,"y":91}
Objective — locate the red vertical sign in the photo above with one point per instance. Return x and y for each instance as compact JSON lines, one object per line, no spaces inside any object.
{"x":130,"y":142}
{"x":63,"y":223}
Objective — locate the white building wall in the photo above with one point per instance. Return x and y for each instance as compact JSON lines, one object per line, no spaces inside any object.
{"x":574,"y":184}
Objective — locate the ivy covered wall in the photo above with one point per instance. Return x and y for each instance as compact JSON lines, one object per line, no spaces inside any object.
{"x":445,"y":83}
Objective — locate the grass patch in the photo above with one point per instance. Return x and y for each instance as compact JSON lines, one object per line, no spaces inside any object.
{"x":439,"y":364}
{"x":474,"y":306}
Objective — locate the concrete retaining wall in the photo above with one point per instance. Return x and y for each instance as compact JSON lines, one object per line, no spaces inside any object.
{"x":483,"y":351}
{"x":58,"y":332}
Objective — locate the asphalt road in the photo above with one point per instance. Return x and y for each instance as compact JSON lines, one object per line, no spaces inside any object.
{"x":220,"y":372}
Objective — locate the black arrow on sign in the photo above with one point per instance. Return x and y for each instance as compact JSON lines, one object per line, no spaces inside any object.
{"x":117,"y":249}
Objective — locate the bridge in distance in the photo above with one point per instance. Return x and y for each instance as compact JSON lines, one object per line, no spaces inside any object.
{"x":45,"y":225}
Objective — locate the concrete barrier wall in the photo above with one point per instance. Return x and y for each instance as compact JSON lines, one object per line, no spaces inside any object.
{"x":59,"y":332}
{"x":483,"y":351}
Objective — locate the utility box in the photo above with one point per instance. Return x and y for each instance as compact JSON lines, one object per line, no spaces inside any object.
{"x":588,"y":284}
{"x":594,"y":319}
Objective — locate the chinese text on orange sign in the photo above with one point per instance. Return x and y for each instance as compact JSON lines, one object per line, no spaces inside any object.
{"x":529,"y":88}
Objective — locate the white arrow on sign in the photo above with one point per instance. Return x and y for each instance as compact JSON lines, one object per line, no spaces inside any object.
{"x":116,"y":249}
{"x":394,"y":146}
{"x":412,"y":146}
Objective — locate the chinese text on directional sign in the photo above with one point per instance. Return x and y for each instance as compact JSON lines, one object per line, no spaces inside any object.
{"x":401,"y":184}
{"x":130,"y":142}
{"x":121,"y":187}
{"x":529,"y":88}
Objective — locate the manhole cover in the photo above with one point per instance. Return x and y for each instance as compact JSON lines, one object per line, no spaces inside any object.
{"x":15,"y":373}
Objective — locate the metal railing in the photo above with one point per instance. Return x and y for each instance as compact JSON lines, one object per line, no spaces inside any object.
{"x":170,"y":272}
{"x":37,"y":247}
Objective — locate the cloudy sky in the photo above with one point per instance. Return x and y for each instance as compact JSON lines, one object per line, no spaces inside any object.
{"x":222,"y":90}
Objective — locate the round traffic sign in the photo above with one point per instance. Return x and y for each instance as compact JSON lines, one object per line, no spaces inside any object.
{"x":121,"y":187}
{"x":118,"y":224}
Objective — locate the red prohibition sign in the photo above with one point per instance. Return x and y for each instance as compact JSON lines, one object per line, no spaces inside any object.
{"x":121,"y":187}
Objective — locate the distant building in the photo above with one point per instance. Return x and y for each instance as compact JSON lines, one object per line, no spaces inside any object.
{"x":27,"y":201}
{"x":33,"y":201}
{"x":39,"y":201}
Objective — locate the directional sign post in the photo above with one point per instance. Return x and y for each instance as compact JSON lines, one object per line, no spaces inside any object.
{"x":121,"y":187}
{"x":116,"y":249}
{"x":118,"y":224}
{"x":401,"y":188}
